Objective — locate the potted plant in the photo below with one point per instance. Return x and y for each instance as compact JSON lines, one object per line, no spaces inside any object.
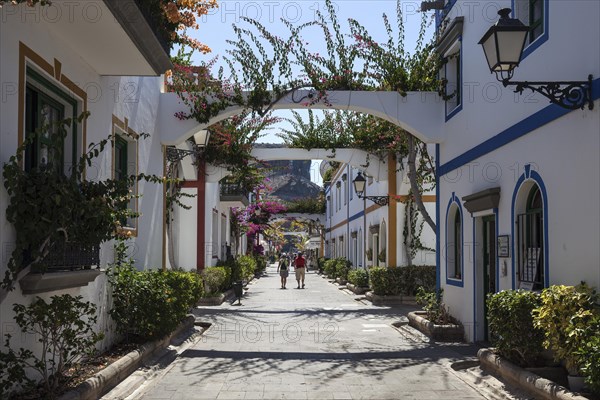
{"x":382,"y":256}
{"x":435,"y":321}
{"x":563,"y":316}
{"x":369,"y":254}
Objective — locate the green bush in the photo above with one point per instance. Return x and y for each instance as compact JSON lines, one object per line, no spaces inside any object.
{"x":65,"y":328}
{"x":589,"y":351}
{"x":417,"y":276}
{"x":247,"y":267}
{"x":342,"y":267}
{"x":564,"y":314}
{"x":436,"y":310}
{"x":216,"y":279}
{"x":329,"y":267}
{"x":148,"y":305}
{"x":321,"y":264}
{"x":386,"y":281}
{"x":358,"y":277}
{"x":187,"y":289}
{"x":261,"y":264}
{"x":233,"y":271}
{"x":511,"y":328}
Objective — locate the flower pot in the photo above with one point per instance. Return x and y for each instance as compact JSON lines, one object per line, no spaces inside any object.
{"x":576,"y":383}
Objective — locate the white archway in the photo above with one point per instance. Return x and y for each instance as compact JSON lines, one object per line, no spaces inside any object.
{"x":420,"y":113}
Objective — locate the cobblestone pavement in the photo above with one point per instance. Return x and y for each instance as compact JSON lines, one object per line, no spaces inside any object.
{"x":312,"y":343}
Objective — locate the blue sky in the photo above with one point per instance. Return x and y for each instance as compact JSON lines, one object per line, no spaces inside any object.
{"x":216,"y":28}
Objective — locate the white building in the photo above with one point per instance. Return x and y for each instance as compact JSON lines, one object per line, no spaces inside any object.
{"x":103,"y":57}
{"x":371,"y":234}
{"x":517,"y":186}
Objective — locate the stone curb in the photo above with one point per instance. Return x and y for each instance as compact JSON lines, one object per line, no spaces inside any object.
{"x":112,"y":375}
{"x":540,"y":387}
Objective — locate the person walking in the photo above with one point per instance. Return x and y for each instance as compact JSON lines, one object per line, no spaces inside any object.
{"x":300,"y":265}
{"x":283,"y":269}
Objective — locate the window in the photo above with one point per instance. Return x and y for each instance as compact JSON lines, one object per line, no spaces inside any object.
{"x":45,"y":106}
{"x":215,"y":234}
{"x":530,"y":241}
{"x":531,"y":13}
{"x":338,"y":196}
{"x":457,"y":245}
{"x":125,"y":164}
{"x":451,"y":73}
{"x":454,"y":243}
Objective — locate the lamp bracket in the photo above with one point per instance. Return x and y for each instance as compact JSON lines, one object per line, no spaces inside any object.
{"x":175,"y":155}
{"x":379,"y":200}
{"x":568,"y":94}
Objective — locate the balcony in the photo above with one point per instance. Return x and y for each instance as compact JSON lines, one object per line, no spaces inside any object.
{"x":233,"y":193}
{"x":66,"y":266}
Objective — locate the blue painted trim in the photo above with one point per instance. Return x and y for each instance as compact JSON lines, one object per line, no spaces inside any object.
{"x":452,"y":281}
{"x":474,"y":279}
{"x":437,"y":218}
{"x":440,"y":15}
{"x":459,"y":106}
{"x":534,"y":176}
{"x":543,"y":37}
{"x":497,"y":258}
{"x":521,"y":128}
{"x":356,"y":216}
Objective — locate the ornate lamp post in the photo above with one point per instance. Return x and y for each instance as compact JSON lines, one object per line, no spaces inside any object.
{"x":503,"y":46}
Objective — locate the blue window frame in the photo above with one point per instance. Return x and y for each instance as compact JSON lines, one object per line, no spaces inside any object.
{"x":454,"y":243}
{"x":535,"y":14}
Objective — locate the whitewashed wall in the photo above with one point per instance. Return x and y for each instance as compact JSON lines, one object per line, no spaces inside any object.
{"x":133,"y":98}
{"x":564,"y":152}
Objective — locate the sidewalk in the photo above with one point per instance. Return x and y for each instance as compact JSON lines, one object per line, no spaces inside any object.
{"x":312,"y":343}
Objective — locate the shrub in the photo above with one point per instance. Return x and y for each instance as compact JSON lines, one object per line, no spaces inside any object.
{"x":261,"y":264}
{"x":385,"y":281}
{"x":511,"y":326}
{"x":233,"y":271}
{"x":342,"y":267}
{"x":64,"y":327}
{"x":321,"y":263}
{"x":247,"y":267}
{"x":187,"y":289}
{"x":216,"y":279}
{"x":330,"y":268}
{"x":416,"y":276}
{"x":589,"y":351}
{"x":564,"y":314}
{"x":148,"y":305}
{"x":434,"y":307}
{"x":358,"y":277}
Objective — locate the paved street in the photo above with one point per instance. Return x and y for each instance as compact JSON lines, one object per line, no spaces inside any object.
{"x":316,"y":343}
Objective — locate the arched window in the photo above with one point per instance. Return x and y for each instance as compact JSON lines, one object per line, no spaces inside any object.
{"x":454,"y":243}
{"x":457,"y":228}
{"x":530,"y":241}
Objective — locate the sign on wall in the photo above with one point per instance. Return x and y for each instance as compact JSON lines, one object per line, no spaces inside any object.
{"x":503,"y":246}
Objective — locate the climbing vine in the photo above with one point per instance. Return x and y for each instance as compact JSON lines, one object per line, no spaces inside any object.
{"x":49,"y":207}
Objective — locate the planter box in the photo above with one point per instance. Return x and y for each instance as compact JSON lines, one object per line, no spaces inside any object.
{"x":440,"y":333}
{"x":383,"y":300}
{"x":390,"y":300}
{"x":540,"y":388}
{"x":217,"y":300}
{"x":357,"y":289}
{"x":341,"y":281}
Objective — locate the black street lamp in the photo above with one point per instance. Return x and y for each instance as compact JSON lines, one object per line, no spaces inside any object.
{"x":503,"y":46}
{"x":359,"y":187}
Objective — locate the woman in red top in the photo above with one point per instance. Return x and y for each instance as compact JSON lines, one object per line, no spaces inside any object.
{"x":300,"y":264}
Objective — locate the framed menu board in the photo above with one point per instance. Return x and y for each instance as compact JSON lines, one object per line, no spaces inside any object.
{"x":503,"y":246}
